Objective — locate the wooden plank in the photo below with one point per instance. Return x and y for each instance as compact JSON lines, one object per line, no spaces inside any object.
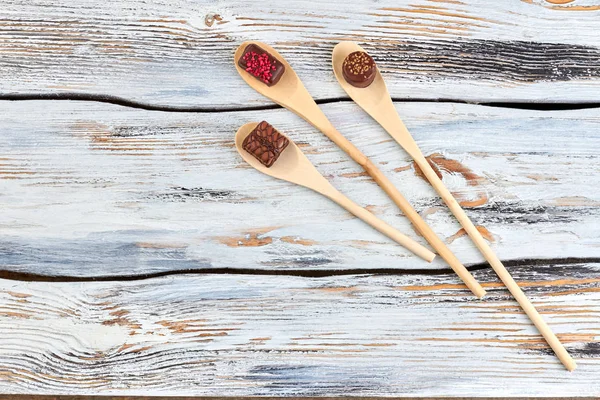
{"x":89,"y":189}
{"x":84,"y":397}
{"x":50,"y":397}
{"x":67,"y":397}
{"x":178,"y":53}
{"x":413,"y":335}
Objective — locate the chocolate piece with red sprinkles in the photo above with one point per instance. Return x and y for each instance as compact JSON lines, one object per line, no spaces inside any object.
{"x":261,"y":65}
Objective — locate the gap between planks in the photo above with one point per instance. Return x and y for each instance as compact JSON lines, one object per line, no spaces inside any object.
{"x":121,"y":101}
{"x":321,"y":273}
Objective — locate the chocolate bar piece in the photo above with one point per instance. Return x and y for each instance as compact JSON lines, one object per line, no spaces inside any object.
{"x":261,"y":65}
{"x":265,"y":143}
{"x":359,"y":69}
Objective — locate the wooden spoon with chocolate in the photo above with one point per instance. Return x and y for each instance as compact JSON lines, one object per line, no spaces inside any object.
{"x":287,"y":90}
{"x":271,"y":153}
{"x":371,"y":94}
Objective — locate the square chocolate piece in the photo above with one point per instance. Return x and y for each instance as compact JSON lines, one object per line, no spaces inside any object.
{"x":261,"y":65}
{"x":265,"y":143}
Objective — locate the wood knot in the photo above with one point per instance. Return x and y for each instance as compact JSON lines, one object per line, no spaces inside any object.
{"x":210,"y":19}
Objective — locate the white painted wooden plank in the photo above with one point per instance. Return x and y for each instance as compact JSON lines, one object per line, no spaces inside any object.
{"x":271,"y":335}
{"x":179,"y":53}
{"x":89,"y":189}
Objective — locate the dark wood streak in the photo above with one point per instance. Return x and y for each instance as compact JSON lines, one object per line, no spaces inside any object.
{"x":587,"y":350}
{"x":182,"y":194}
{"x":489,"y":60}
{"x":512,"y":213}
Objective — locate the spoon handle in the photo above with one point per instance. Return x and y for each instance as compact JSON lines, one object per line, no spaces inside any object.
{"x":496,"y":264}
{"x":380,"y":225}
{"x":322,"y":123}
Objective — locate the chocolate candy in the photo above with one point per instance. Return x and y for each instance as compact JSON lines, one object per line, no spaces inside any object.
{"x":261,"y":65}
{"x":359,"y":69}
{"x":265,"y":143}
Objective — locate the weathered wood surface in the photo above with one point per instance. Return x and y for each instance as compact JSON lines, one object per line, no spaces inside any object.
{"x":179,"y":53}
{"x":166,"y":397}
{"x":98,"y":191}
{"x":248,"y":335}
{"x":91,"y":189}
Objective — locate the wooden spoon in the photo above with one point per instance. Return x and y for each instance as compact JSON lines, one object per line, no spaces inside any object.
{"x":291,"y":94}
{"x":293,"y":166}
{"x":376,"y":101}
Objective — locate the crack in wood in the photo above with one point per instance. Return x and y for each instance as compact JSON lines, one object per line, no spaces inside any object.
{"x":321,"y":273}
{"x":121,"y":101}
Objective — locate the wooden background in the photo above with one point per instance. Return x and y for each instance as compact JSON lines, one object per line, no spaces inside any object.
{"x":139,"y":255}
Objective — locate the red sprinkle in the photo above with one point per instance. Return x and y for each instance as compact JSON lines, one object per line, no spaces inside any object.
{"x":259,"y":65}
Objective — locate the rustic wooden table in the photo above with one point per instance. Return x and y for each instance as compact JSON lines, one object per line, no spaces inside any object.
{"x":140,"y":255}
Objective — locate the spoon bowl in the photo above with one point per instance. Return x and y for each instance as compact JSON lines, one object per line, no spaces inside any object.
{"x":371,"y":96}
{"x":292,"y":165}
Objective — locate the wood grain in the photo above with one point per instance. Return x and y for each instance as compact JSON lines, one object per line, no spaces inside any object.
{"x":179,"y":53}
{"x":90,"y":189}
{"x":243,"y":335}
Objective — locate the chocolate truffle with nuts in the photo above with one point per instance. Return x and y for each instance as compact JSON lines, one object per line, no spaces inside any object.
{"x":359,"y":69}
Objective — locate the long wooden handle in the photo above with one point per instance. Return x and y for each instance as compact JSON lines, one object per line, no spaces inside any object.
{"x":380,"y":225}
{"x":496,"y":264}
{"x":404,"y":205}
